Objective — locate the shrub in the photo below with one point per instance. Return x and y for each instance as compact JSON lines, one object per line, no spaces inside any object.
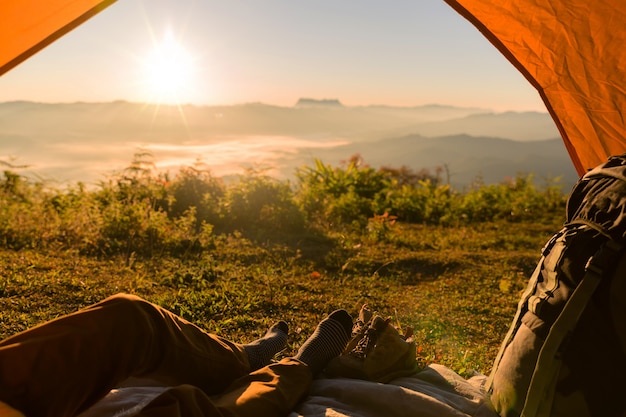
{"x":195,"y":188}
{"x":258,"y":204}
{"x":27,"y":218}
{"x":80,"y":218}
{"x":514,"y":200}
{"x":340,"y":194}
{"x":142,"y":213}
{"x":424,"y":202}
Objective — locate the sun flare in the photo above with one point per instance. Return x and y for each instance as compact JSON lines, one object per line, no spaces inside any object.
{"x":169,"y":71}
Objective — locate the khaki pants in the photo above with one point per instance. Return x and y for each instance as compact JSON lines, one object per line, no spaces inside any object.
{"x":60,"y":368}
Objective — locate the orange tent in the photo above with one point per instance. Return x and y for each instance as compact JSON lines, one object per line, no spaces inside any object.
{"x":569,"y":50}
{"x":30,"y":25}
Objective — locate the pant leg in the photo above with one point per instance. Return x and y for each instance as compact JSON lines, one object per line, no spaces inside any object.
{"x":61,"y":367}
{"x":272,"y":391}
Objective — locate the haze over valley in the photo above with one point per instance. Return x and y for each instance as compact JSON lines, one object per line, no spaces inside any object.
{"x":66,"y":143}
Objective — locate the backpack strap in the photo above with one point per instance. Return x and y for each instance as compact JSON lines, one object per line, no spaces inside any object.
{"x":522,"y":306}
{"x":544,"y":375}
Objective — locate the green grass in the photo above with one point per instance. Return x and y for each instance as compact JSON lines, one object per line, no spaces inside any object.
{"x":456,"y":286}
{"x":235,"y":258}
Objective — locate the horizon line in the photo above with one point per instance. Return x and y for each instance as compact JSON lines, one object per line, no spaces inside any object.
{"x":333,"y":103}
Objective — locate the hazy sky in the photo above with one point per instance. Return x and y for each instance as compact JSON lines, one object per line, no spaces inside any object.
{"x":397,"y":52}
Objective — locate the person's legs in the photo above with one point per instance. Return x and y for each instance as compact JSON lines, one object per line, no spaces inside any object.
{"x":271,"y":391}
{"x":63,"y":366}
{"x":327,"y":341}
{"x":261,"y":351}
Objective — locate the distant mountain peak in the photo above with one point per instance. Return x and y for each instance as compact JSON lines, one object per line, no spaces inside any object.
{"x":311,"y":102}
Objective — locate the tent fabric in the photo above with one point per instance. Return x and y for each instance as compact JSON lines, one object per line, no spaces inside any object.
{"x":27,"y":26}
{"x":571,"y":51}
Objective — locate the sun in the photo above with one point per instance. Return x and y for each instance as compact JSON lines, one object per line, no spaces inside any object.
{"x":169,"y":71}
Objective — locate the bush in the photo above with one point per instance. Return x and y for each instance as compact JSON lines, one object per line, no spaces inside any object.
{"x":27,"y":219}
{"x":80,"y":218}
{"x":141,"y":213}
{"x":258,"y":204}
{"x":195,"y":188}
{"x":341,"y":195}
{"x":514,"y":200}
{"x":424,"y":202}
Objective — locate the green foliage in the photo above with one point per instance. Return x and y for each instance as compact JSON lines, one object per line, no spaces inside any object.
{"x":141,"y":212}
{"x":195,"y":187}
{"x":457,"y":287}
{"x":258,"y":204}
{"x":341,"y":195}
{"x":131,"y":214}
{"x":424,"y":202}
{"x":352,"y":195}
{"x":235,"y":257}
{"x":26,"y":216}
{"x":379,"y":226}
{"x":514,"y":200}
{"x":80,"y":218}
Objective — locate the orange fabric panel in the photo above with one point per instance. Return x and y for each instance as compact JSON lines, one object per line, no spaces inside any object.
{"x":29,"y":25}
{"x":572,"y":53}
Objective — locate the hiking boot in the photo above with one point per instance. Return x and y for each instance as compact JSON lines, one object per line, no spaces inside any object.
{"x":381,"y":355}
{"x":361,"y":324}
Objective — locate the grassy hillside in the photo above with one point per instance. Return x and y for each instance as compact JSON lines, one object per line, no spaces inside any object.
{"x":236,"y":258}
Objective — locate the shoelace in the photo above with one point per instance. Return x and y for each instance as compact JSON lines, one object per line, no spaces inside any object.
{"x":358,"y":327}
{"x":367,"y":343}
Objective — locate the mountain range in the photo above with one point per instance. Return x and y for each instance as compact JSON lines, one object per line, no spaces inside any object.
{"x":68,"y":142}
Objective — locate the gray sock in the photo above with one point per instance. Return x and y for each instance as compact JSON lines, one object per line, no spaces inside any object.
{"x":261,"y":351}
{"x":327,"y":341}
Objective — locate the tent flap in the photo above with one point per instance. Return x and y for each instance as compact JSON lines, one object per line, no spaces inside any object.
{"x":571,"y":52}
{"x":30,"y":25}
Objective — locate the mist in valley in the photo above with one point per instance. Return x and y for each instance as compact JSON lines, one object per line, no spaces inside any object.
{"x":88,"y":142}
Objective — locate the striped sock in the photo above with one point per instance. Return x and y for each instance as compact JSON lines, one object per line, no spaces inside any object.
{"x":327,"y":341}
{"x":261,"y":351}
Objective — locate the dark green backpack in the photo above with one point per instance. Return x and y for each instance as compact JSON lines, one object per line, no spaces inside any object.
{"x":565,"y":352}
